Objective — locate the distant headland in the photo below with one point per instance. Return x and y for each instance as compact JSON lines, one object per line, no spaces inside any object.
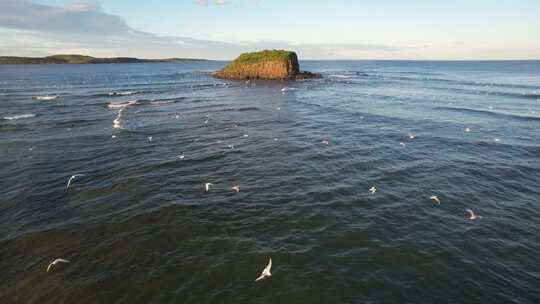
{"x":271,"y":65}
{"x":81,"y":59}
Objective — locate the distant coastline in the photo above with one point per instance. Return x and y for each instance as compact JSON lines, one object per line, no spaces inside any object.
{"x":82,"y":59}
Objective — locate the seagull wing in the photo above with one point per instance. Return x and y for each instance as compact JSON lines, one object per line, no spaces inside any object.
{"x":69,"y":181}
{"x":49,"y":267}
{"x":266,"y":270}
{"x":470,"y":212}
{"x":63,"y":260}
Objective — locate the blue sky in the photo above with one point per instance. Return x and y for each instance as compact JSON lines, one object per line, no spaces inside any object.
{"x":220,"y":29}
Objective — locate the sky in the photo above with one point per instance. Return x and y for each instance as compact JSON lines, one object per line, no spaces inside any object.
{"x":315,"y":29}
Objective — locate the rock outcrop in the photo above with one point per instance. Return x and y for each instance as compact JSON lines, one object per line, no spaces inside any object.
{"x":272,"y":65}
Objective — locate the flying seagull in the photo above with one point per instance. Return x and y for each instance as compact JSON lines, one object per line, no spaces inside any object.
{"x":236,"y":188}
{"x":473,"y":216}
{"x":412,"y":136}
{"x":266,"y":271}
{"x":467,"y":130}
{"x":435,"y":199}
{"x":372,"y":189}
{"x":207,"y":186}
{"x":72,"y":178}
{"x":324,"y":142}
{"x":56,"y":261}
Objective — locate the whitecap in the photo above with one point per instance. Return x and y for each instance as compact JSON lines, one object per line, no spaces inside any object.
{"x":123,"y":93}
{"x":120,"y":105}
{"x":19,"y":116}
{"x":341,"y":76}
{"x":46,"y":97}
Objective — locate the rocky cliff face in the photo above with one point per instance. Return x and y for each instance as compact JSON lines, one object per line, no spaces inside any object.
{"x":264,"y":65}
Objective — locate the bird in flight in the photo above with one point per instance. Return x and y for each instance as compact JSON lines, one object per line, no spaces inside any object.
{"x":56,"y":261}
{"x":207,"y":186}
{"x":412,"y":136}
{"x":266,"y":271}
{"x":372,"y":190}
{"x":72,"y":178}
{"x":473,"y":216}
{"x":324,"y":142}
{"x":236,"y":188}
{"x":435,"y":199}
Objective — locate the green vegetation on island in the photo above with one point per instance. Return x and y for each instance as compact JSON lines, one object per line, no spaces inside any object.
{"x":81,"y":59}
{"x":266,"y":55}
{"x":267,"y":64}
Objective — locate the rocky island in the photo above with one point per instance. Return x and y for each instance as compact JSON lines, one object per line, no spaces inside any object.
{"x":271,"y":65}
{"x":82,"y":59}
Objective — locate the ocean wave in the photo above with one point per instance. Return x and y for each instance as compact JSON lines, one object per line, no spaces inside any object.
{"x":247,"y":109}
{"x":161,"y":101}
{"x":489,"y":113}
{"x":490,"y":92}
{"x":120,"y":105}
{"x":125,"y":93}
{"x":459,"y":82}
{"x":46,"y":97}
{"x":21,"y":116}
{"x":341,"y":76}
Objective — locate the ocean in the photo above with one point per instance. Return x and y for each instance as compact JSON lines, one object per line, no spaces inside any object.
{"x":138,"y":225}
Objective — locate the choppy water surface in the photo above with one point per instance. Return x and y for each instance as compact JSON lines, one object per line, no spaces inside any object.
{"x":139,"y":227}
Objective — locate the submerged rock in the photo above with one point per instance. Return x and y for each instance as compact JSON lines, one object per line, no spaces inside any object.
{"x":273,"y":65}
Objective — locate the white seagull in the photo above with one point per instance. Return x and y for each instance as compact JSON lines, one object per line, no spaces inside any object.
{"x":207,"y":186}
{"x":412,"y":136}
{"x":266,"y":271}
{"x":435,"y":199}
{"x":236,"y":188}
{"x":473,"y":216}
{"x":372,"y":190}
{"x":324,"y":142}
{"x":402,"y":144}
{"x":56,"y":261}
{"x":72,"y":178}
{"x":467,"y":130}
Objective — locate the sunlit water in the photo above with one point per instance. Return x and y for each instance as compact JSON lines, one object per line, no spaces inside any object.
{"x":140,"y":228}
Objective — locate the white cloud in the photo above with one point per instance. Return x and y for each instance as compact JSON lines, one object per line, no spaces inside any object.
{"x":208,"y":2}
{"x":31,"y":29}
